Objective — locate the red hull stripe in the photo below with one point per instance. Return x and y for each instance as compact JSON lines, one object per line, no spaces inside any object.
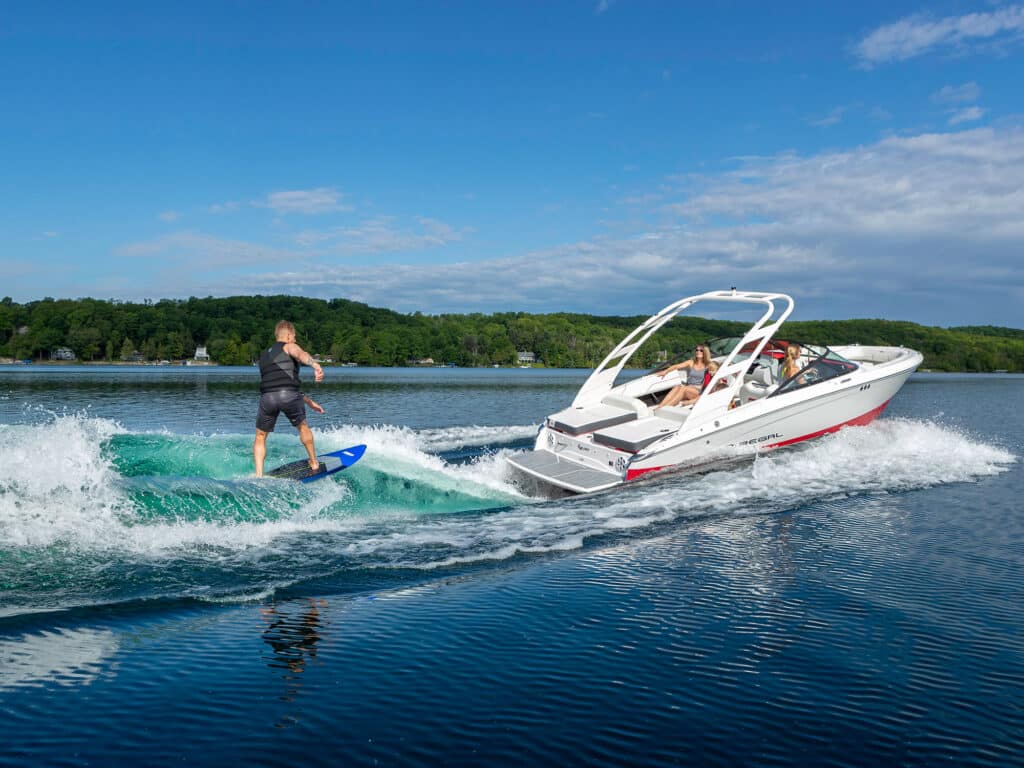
{"x":859,"y":421}
{"x":633,"y":474}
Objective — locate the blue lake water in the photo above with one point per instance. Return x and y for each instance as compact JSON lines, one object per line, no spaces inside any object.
{"x":853,"y":601}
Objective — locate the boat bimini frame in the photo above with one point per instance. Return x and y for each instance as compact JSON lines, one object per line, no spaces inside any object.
{"x":778,"y":307}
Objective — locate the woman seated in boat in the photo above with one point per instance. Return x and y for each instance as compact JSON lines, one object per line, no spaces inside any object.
{"x":696,"y":367}
{"x":792,"y":364}
{"x":708,"y":376}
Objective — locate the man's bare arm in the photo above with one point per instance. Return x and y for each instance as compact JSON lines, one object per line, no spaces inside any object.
{"x":305,"y":358}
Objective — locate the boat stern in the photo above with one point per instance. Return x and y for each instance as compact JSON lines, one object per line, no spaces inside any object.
{"x":561,"y":472}
{"x":572,"y":462}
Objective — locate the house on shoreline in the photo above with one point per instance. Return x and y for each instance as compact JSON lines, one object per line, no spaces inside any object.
{"x":202,"y":357}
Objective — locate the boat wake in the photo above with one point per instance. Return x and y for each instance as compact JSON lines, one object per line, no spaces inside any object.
{"x":111,"y":516}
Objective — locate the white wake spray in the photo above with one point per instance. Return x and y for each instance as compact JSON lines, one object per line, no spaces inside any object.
{"x":888,"y":456}
{"x":411,"y":454}
{"x":55,"y":483}
{"x":83,"y":503}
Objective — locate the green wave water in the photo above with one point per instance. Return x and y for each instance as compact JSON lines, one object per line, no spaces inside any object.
{"x":198,"y":478}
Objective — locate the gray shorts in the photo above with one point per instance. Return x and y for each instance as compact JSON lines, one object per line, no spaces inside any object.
{"x":286,"y":401}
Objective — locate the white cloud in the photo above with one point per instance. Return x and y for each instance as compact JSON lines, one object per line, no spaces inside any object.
{"x":881,"y":230}
{"x":645,"y":199}
{"x":967,"y":115}
{"x":304,"y":201}
{"x":918,"y":34}
{"x":634,"y":276}
{"x":602,"y":6}
{"x":957,"y":94}
{"x":169,"y":216}
{"x":924,"y":228}
{"x":832,"y":118}
{"x":381,"y":235}
{"x":947,"y":183}
{"x":208,"y":251}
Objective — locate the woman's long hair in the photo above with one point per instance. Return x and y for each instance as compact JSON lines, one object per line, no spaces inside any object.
{"x":790,"y":366}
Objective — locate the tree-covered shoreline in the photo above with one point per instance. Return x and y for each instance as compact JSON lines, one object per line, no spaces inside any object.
{"x":235,"y":329}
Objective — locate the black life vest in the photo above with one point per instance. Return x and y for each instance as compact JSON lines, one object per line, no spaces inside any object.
{"x":278,"y":369}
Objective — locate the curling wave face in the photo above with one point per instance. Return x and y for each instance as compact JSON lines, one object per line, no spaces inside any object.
{"x":92,"y":513}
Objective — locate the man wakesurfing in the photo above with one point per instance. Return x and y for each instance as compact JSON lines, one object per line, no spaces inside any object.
{"x":280,"y":392}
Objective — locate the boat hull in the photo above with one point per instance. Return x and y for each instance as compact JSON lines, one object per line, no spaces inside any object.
{"x":780,"y":426}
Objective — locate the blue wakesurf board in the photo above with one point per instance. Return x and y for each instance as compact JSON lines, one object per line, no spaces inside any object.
{"x":329,"y":464}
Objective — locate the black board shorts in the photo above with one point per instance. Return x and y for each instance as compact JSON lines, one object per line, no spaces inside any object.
{"x":286,"y":401}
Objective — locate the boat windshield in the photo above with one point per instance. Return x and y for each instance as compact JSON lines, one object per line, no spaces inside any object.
{"x":817,"y":364}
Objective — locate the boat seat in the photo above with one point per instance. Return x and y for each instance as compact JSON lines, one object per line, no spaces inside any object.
{"x":636,"y":435}
{"x":760,"y":384}
{"x":578,"y":421}
{"x":676,"y":413}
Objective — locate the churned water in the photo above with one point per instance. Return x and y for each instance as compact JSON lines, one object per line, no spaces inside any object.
{"x":855,"y":600}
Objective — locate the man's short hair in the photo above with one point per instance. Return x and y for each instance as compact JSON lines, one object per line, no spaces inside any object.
{"x":282,"y":327}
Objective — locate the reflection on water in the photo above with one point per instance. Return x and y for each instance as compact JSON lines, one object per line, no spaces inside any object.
{"x":293,"y":630}
{"x":67,"y":657}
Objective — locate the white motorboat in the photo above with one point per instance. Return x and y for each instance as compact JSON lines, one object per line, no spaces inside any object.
{"x":613,"y":433}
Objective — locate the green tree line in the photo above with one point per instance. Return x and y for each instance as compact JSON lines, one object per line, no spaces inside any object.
{"x":235,"y":329}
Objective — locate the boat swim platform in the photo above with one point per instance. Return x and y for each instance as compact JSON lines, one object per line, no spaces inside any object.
{"x":546,"y":465}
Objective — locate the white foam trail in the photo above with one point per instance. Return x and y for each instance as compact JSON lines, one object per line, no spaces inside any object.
{"x":215,"y":541}
{"x":891,"y":455}
{"x":82,"y":504}
{"x":405,"y":453}
{"x":449,"y":438}
{"x":79,"y":501}
{"x":55,"y":482}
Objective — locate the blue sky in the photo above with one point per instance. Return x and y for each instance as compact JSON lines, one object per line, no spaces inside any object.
{"x":607,"y":156}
